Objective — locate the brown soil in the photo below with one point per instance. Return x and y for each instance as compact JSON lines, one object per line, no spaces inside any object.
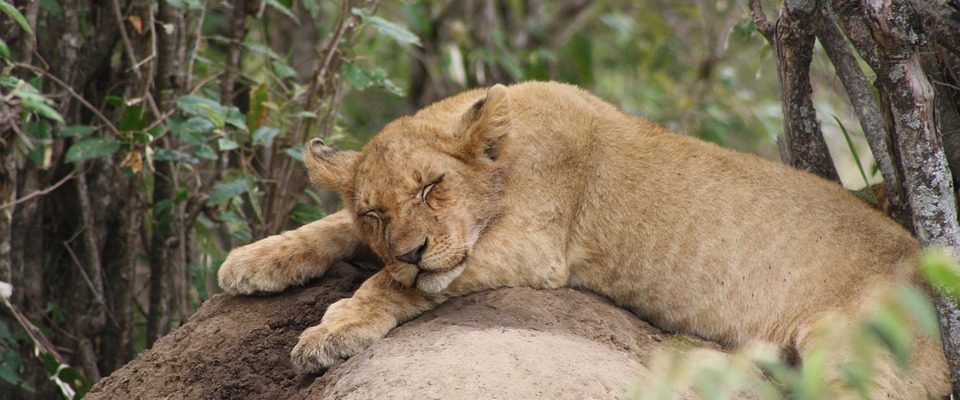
{"x":510,"y":343}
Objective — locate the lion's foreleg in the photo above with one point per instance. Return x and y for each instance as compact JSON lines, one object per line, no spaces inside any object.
{"x":290,"y":258}
{"x":351,"y":325}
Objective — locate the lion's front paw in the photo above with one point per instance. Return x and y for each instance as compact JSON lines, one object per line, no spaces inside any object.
{"x":269,"y":265}
{"x":320,"y":347}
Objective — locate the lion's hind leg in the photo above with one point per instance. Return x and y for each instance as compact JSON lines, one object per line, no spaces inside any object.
{"x":290,"y":258}
{"x":857,"y":363}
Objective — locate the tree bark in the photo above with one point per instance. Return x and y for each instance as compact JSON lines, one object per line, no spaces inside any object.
{"x":868,"y":112}
{"x":927,"y":178}
{"x":158,"y":319}
{"x":801,"y":145}
{"x":237,"y":31}
{"x":793,"y":41}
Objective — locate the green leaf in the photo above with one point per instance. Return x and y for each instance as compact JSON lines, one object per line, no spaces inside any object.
{"x":133,"y":119}
{"x":10,"y":368}
{"x":306,"y":213}
{"x":205,"y":152}
{"x":313,"y":8}
{"x":15,"y":14}
{"x":194,"y":5}
{"x":52,"y":7}
{"x":39,"y":130}
{"x":257,"y":114}
{"x":5,"y":332}
{"x":113,"y":100}
{"x":893,"y":333}
{"x":4,"y":50}
{"x":42,"y":154}
{"x":356,"y":77}
{"x":361,"y":79}
{"x":853,"y":152}
{"x":283,"y":10}
{"x":918,"y":306}
{"x":810,"y":385}
{"x":76,"y":379}
{"x":8,"y":82}
{"x":226,"y":144}
{"x":234,"y":118}
{"x":75,"y":131}
{"x":215,"y":114}
{"x":941,"y":271}
{"x":283,"y":70}
{"x":91,"y":148}
{"x":295,"y":152}
{"x":262,"y":49}
{"x":237,"y":226}
{"x":193,"y":131}
{"x":264,"y":135}
{"x":40,"y":108}
{"x":228,"y":190}
{"x":191,"y":104}
{"x":396,"y":32}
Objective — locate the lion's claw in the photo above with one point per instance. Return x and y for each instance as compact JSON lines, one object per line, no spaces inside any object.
{"x":319,"y":348}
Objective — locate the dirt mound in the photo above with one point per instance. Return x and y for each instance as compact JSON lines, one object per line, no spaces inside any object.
{"x":508,"y":343}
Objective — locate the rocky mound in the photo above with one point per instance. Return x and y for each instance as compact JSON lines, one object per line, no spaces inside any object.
{"x":510,"y":343}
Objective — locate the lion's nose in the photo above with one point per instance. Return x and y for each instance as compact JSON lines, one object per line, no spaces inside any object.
{"x":413,"y":256}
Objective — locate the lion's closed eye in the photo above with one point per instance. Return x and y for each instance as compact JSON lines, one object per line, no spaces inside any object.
{"x":371,"y":214}
{"x":428,"y":188}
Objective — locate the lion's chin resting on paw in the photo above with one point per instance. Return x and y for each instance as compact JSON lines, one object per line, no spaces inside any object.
{"x":544,"y":185}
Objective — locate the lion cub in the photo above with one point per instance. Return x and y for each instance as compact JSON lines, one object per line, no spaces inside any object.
{"x":544,"y":185}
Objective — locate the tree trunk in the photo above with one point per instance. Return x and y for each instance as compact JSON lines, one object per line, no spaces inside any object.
{"x":904,"y":132}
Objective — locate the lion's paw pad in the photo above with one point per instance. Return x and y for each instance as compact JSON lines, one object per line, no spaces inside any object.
{"x":319,"y":348}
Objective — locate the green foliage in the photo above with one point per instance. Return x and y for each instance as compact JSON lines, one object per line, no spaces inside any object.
{"x":91,"y":148}
{"x":4,"y":50}
{"x":886,"y":333}
{"x":30,"y":98}
{"x":11,"y":364}
{"x":941,"y":270}
{"x":15,"y":14}
{"x":396,"y":32}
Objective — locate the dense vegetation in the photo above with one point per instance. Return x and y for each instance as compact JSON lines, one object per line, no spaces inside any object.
{"x":142,"y":140}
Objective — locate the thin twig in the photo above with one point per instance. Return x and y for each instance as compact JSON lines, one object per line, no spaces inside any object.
{"x":196,"y":43}
{"x":764,"y":26}
{"x":74,"y":94}
{"x":38,"y":192}
{"x":41,"y":343}
{"x":322,"y":68}
{"x":118,"y":14}
{"x":97,"y":295}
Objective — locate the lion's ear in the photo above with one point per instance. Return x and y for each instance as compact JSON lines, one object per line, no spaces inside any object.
{"x":485,"y":124}
{"x":329,"y":166}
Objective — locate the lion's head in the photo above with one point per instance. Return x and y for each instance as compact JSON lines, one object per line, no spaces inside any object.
{"x":425,"y":188}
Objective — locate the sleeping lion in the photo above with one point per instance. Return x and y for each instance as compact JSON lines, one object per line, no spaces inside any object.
{"x":546,"y":186}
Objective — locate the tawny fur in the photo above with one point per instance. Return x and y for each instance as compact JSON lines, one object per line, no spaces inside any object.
{"x":547,"y":186}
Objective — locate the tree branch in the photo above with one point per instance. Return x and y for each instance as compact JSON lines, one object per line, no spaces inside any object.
{"x":927,"y":179}
{"x":74,"y":94}
{"x":237,"y":31}
{"x":803,"y":141}
{"x":764,"y":26}
{"x":37,"y":193}
{"x":868,"y":113}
